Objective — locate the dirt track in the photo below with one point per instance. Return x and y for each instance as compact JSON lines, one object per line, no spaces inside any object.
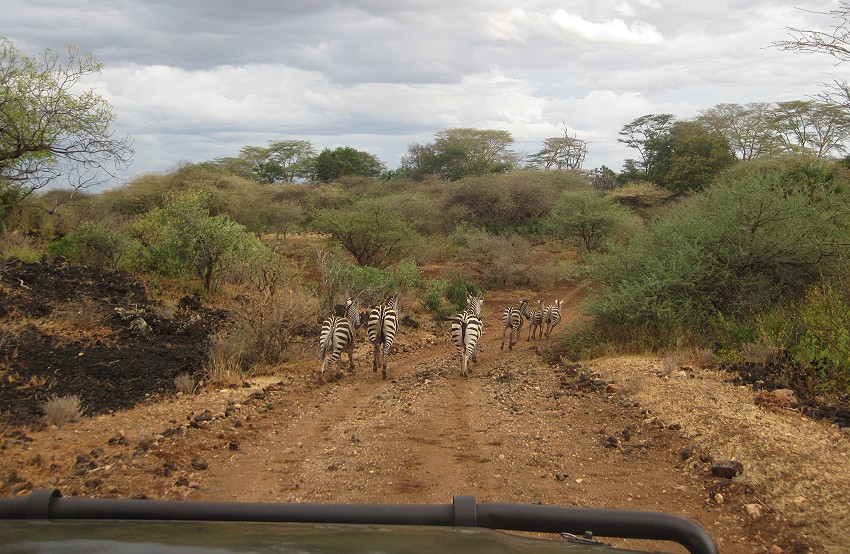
{"x":519,"y":430}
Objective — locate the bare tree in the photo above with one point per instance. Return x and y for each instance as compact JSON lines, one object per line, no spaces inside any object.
{"x":567,"y":152}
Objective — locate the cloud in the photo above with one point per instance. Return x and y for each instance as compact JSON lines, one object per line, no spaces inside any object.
{"x":611,"y":31}
{"x":199,"y":79}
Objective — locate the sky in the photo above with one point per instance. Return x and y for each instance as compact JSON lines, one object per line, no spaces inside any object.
{"x":195,"y":80}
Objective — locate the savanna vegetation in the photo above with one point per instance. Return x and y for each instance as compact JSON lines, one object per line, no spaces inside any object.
{"x":726,"y":232}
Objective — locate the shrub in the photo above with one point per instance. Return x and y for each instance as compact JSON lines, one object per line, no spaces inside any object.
{"x":729,"y":252}
{"x":223,"y":370}
{"x":588,"y":217}
{"x":432,"y":295}
{"x":59,"y":410}
{"x":823,"y":322}
{"x":183,"y":238}
{"x":92,"y":244}
{"x":500,"y":261}
{"x":371,"y":232}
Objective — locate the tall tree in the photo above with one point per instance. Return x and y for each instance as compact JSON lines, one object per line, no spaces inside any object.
{"x":343,"y":161}
{"x":282,"y":161}
{"x":645,"y":134}
{"x":51,"y":128}
{"x":748,"y":128}
{"x":811,"y":127}
{"x":462,"y":152}
{"x":695,"y":157}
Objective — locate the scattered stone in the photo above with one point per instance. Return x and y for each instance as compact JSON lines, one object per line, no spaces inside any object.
{"x":718,"y":498}
{"x":93,"y":483}
{"x":611,"y":441}
{"x":679,"y":374}
{"x":120,"y":439}
{"x":178,"y":431}
{"x":754,"y":511}
{"x":97,"y":453}
{"x":140,"y":326}
{"x":675,"y":427}
{"x":199,"y":463}
{"x":727,"y":469}
{"x":206,"y":415}
{"x":786,"y":397}
{"x":145,"y":445}
{"x":82,"y":459}
{"x":234,"y":445}
{"x":182,"y":482}
{"x":686,"y":452}
{"x":168,"y":469}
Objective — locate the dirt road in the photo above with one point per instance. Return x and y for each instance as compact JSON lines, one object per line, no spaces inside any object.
{"x":518,"y":430}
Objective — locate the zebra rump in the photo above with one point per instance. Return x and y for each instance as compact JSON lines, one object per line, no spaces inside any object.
{"x":381,"y":327}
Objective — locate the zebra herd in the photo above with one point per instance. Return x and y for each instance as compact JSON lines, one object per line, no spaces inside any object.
{"x":339,"y":332}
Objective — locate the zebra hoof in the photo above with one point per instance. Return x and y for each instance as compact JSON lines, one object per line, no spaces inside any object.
{"x":384,"y":375}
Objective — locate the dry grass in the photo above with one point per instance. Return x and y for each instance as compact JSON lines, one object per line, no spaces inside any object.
{"x":186,"y":384}
{"x":59,"y":410}
{"x":223,"y":370}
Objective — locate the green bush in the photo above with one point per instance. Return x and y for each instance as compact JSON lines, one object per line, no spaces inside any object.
{"x":432,"y":294}
{"x":587,"y":217}
{"x":823,"y":320}
{"x":735,"y":250}
{"x":92,"y":244}
{"x":182,"y":238}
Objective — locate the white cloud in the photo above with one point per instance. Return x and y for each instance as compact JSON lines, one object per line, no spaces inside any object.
{"x":612,"y":30}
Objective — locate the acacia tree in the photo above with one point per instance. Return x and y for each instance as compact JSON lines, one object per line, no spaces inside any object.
{"x":282,"y":161}
{"x":50,"y":128}
{"x":748,"y":128}
{"x":343,"y":161}
{"x":368,"y":229}
{"x":646,"y":134}
{"x":588,"y":216}
{"x":811,"y":127}
{"x":692,"y":157}
{"x":462,"y":152}
{"x":183,"y":238}
{"x":560,"y":153}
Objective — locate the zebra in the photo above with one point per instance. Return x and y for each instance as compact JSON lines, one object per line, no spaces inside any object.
{"x":381,"y":326}
{"x":467,"y":328}
{"x":337,"y":336}
{"x":512,"y":319}
{"x":536,"y":320}
{"x":552,"y":316}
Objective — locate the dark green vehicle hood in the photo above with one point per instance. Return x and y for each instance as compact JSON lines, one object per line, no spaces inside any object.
{"x":191,"y":537}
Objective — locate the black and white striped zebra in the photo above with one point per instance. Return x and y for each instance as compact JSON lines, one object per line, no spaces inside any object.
{"x":467,"y":328}
{"x":381,"y":327}
{"x":512,"y":318}
{"x":337,"y":336}
{"x":535,"y":321}
{"x":553,"y":316}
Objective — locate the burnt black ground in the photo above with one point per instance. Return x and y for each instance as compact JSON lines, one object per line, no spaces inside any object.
{"x":68,"y":330}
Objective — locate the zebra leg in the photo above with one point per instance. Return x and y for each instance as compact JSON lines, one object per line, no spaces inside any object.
{"x":503,"y":337}
{"x":350,"y":357}
{"x":384,"y":367}
{"x":376,"y":354}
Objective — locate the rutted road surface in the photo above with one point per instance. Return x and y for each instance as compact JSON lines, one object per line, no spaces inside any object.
{"x":518,"y":430}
